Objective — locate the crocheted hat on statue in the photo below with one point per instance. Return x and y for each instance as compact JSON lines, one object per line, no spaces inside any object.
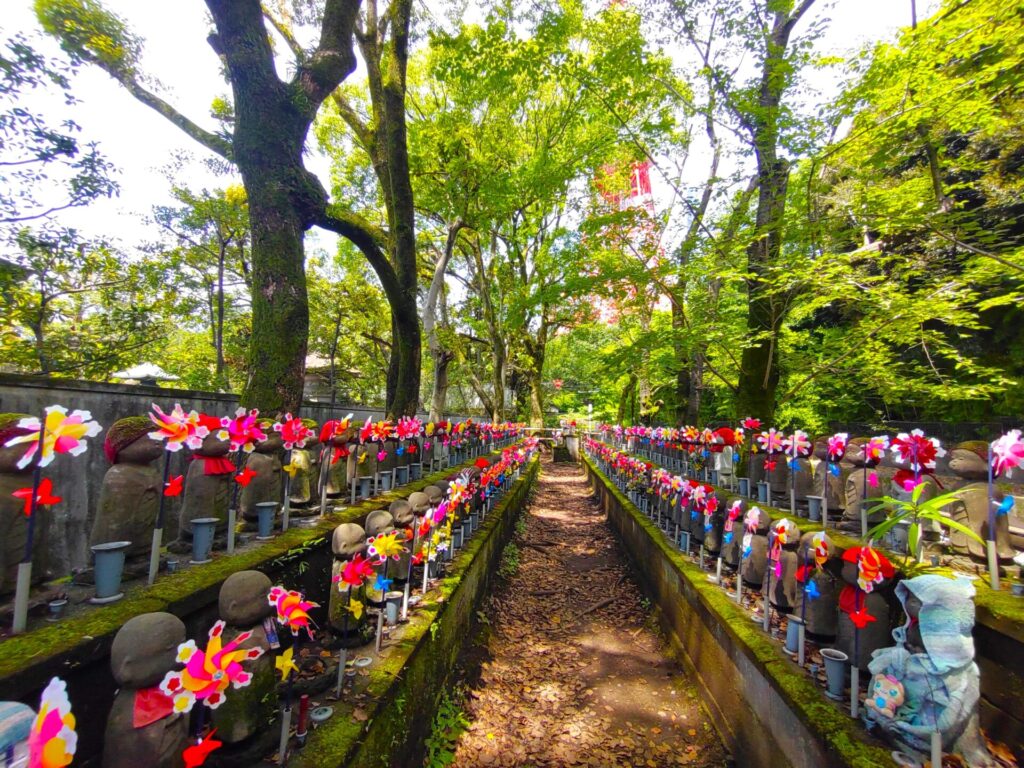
{"x":123,"y":433}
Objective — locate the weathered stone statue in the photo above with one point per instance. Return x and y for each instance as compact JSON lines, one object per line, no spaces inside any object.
{"x":13,"y":522}
{"x":302,"y":489}
{"x":131,"y":489}
{"x":267,"y":484}
{"x":826,"y":483}
{"x":335,"y":437}
{"x":755,"y":547}
{"x":780,"y":584}
{"x":712,"y":523}
{"x":817,"y":594}
{"x":243,"y":607}
{"x":732,"y":533}
{"x":969,"y":462}
{"x":864,"y":616}
{"x":142,"y":727}
{"x":207,"y":485}
{"x":347,"y":541}
{"x":402,"y":515}
{"x":377,"y":522}
{"x":860,"y":479}
{"x":933,"y":664}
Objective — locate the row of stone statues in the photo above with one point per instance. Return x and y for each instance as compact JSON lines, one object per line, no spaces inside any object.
{"x":853,"y":483}
{"x":846,"y":598}
{"x":130,"y":492}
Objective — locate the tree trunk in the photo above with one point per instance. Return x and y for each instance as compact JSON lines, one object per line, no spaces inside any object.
{"x":439,"y":395}
{"x":536,"y":399}
{"x":219,"y":337}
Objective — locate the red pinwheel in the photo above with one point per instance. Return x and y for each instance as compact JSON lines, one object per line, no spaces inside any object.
{"x":243,"y":431}
{"x":195,"y":756}
{"x":175,"y":486}
{"x":293,"y":432}
{"x":356,"y":571}
{"x":919,"y":450}
{"x":44,"y":497}
{"x":245,"y":477}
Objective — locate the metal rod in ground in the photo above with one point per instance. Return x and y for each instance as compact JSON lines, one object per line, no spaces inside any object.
{"x":801,"y":640}
{"x":286,"y":503}
{"x":233,"y":506}
{"x":158,"y":531}
{"x":286,"y":724}
{"x":24,"y":582}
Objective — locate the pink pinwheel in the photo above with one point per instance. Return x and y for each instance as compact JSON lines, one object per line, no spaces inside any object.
{"x":874,"y":450}
{"x":293,"y":432}
{"x":178,"y":428}
{"x":408,"y":427}
{"x":921,"y":451}
{"x":1007,"y":453}
{"x":800,"y":441}
{"x":292,"y":609}
{"x":771,"y":441}
{"x":355,"y":573}
{"x":208,"y":673}
{"x":52,"y":740}
{"x":64,"y":433}
{"x":735,"y":510}
{"x":243,"y":431}
{"x":749,"y":423}
{"x":837,"y":446}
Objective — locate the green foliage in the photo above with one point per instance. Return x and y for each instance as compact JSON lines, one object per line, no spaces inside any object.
{"x":450,"y":722}
{"x":77,"y":308}
{"x":88,"y":32}
{"x":915,"y":510}
{"x":509,"y":565}
{"x":44,"y":167}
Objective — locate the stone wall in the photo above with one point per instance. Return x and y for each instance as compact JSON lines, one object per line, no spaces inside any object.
{"x":78,"y":479}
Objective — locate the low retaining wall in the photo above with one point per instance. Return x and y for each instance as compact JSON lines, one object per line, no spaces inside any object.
{"x":407,"y":685}
{"x":767,"y":711}
{"x":67,"y":524}
{"x":78,"y":648}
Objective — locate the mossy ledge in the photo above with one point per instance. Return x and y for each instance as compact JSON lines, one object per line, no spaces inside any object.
{"x":406,"y":684}
{"x":28,"y":661}
{"x":785,"y":722}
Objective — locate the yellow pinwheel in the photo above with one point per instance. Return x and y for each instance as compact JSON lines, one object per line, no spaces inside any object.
{"x":285,"y":664}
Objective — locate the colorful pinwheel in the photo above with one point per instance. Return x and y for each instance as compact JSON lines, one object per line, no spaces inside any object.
{"x":408,"y":427}
{"x":385,"y":545}
{"x":178,"y":428}
{"x":293,"y":431}
{"x":44,"y":496}
{"x":837,"y":446}
{"x":292,"y":609}
{"x":244,"y":431}
{"x":355,"y":573}
{"x":1007,"y":453}
{"x":208,"y":673}
{"x":872,"y":566}
{"x":52,"y":740}
{"x":63,"y":433}
{"x":920,"y":451}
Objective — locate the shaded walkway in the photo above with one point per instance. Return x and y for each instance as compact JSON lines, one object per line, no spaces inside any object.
{"x":574,"y":674}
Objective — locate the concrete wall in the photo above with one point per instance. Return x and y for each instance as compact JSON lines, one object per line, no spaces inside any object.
{"x":78,"y":479}
{"x":767,"y":711}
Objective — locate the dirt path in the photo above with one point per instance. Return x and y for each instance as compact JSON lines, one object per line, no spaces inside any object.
{"x":565,"y":683}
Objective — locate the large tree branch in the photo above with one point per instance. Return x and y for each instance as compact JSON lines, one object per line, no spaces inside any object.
{"x":334,"y":58}
{"x":370,"y":240}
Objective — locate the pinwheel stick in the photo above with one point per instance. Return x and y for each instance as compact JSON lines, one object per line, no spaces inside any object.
{"x":864,"y":497}
{"x":233,"y":506}
{"x":24,"y":582}
{"x":990,"y":543}
{"x":801,"y":638}
{"x":158,"y":530}
{"x":855,"y":661}
{"x":408,"y":576}
{"x":793,"y":468}
{"x":286,"y":503}
{"x":343,"y":651}
{"x":286,"y":712}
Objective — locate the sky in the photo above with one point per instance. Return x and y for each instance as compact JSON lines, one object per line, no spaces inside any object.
{"x":142,"y":144}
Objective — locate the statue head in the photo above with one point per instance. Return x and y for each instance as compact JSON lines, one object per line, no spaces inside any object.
{"x":401,"y":512}
{"x":379,"y":521}
{"x":275,"y":440}
{"x":970,"y":460}
{"x":128,"y":441}
{"x":146,"y":648}
{"x":348,"y":540}
{"x":419,"y":502}
{"x":243,"y":598}
{"x":212,"y":445}
{"x":434,"y":494}
{"x":944,"y":612}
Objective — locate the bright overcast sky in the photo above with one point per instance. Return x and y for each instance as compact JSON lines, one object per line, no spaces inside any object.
{"x":141,"y":143}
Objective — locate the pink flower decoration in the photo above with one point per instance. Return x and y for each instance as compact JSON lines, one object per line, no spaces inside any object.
{"x":875,"y":448}
{"x":243,"y":431}
{"x":293,"y":431}
{"x":837,"y":446}
{"x":1007,"y":453}
{"x":178,"y":428}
